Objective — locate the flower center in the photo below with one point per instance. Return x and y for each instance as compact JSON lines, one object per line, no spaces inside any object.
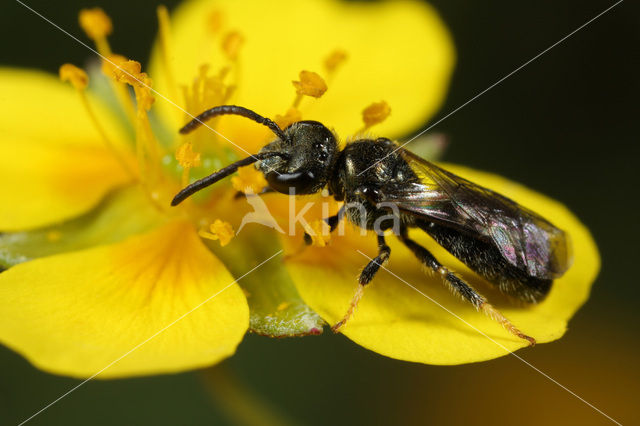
{"x":199,"y":152}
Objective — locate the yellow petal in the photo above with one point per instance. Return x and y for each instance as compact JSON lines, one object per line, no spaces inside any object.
{"x":121,"y":214}
{"x":75,"y":314}
{"x":397,"y":321}
{"x":399,"y":51}
{"x":53,"y":163}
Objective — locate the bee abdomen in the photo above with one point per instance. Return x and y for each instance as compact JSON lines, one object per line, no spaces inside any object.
{"x":487,"y":261}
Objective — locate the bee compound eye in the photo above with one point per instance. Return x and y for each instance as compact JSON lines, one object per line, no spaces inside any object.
{"x":298,"y":182}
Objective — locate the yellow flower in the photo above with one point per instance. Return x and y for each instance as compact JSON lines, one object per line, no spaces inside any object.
{"x":104,"y":276}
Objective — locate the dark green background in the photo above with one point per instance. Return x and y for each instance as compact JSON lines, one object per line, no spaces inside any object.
{"x":564,"y":125}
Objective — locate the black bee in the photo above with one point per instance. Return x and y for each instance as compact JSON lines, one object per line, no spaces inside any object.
{"x":391,"y":188}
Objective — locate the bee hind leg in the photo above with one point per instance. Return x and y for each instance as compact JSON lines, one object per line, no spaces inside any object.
{"x":458,"y":286}
{"x":365,"y":278}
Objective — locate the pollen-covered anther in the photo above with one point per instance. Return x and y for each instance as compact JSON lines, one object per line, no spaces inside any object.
{"x":249,"y":181}
{"x":219,"y":230}
{"x":95,"y":23}
{"x":310,"y":84}
{"x":334,"y":60}
{"x":231,"y":44}
{"x":111,"y":63}
{"x":129,"y":72}
{"x":186,"y":157}
{"x":76,"y":76}
{"x":375,"y":113}
{"x":292,"y":115}
{"x":319,"y":233}
{"x":215,"y":21}
{"x":144,"y":96}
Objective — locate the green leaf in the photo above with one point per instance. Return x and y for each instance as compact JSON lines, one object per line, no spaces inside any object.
{"x":124,"y":212}
{"x":274,"y":302}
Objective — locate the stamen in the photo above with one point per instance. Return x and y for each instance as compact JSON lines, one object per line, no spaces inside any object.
{"x":129,"y":72}
{"x":318,"y":230}
{"x":165,"y":48}
{"x":334,"y":60}
{"x":146,"y":146}
{"x":293,"y":115}
{"x":109,"y":65}
{"x":76,"y":76}
{"x":187,"y":159}
{"x":205,"y":92}
{"x":375,"y":113}
{"x":249,"y":181}
{"x":80,"y":80}
{"x":97,"y":25}
{"x":310,"y":84}
{"x":215,"y":21}
{"x":231,"y":44}
{"x":218,"y":230}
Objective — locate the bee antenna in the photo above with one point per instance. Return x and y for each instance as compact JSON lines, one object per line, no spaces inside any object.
{"x":233,"y":110}
{"x":221,"y":174}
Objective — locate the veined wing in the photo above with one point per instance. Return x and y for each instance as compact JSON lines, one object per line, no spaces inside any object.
{"x":525,"y":239}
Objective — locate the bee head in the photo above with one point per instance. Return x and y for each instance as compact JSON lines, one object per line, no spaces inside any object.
{"x":309,"y":154}
{"x":299,"y":161}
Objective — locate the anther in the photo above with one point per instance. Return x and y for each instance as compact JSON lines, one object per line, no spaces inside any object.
{"x":80,"y":80}
{"x":310,"y":84}
{"x":215,"y":21}
{"x":292,"y":115}
{"x":248,"y":181}
{"x":111,"y":63}
{"x":334,"y":60}
{"x":95,"y":23}
{"x":231,"y":45}
{"x":219,"y":230}
{"x":128,"y":72}
{"x":76,"y":76}
{"x":318,"y":231}
{"x":375,"y":113}
{"x":186,"y":157}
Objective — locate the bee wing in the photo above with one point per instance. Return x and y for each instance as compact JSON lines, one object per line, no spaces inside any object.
{"x":525,"y":239}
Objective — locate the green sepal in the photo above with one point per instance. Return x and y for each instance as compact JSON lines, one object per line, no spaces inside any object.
{"x":276,"y":308}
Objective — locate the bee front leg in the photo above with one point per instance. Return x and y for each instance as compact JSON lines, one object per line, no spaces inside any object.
{"x":367,"y":274}
{"x":460,"y":287}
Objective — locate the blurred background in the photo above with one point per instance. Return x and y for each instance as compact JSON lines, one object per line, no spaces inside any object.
{"x":565,"y":125}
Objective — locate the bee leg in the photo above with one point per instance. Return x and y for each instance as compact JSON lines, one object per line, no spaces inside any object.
{"x":332,"y":221}
{"x":460,"y":287}
{"x":365,"y":278}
